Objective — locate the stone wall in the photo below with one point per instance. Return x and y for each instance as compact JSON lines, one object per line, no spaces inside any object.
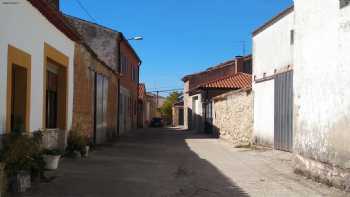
{"x":233,"y":117}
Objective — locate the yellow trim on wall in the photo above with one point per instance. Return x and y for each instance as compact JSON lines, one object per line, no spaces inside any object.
{"x":23,"y":59}
{"x":54,"y":55}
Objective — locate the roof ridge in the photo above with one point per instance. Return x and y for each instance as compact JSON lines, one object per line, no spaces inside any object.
{"x":227,"y":77}
{"x":92,"y":23}
{"x":274,"y":19}
{"x":56,"y":18}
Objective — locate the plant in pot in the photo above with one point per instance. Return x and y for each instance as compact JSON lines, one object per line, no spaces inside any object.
{"x":76,"y":144}
{"x":52,"y":158}
{"x":22,"y":155}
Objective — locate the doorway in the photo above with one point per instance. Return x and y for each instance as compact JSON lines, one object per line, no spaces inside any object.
{"x":208,"y":117}
{"x":283,"y":134}
{"x":181,"y":116}
{"x":101,"y":101}
{"x":55,"y":96}
{"x":19,"y":98}
{"x":18,"y":103}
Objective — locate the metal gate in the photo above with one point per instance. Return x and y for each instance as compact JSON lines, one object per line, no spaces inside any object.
{"x":101,"y":98}
{"x":283,"y":134}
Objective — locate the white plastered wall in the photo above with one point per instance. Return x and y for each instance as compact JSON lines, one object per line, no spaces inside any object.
{"x":322,"y":81}
{"x":264,"y":108}
{"x":25,"y":28}
{"x":272,"y":50}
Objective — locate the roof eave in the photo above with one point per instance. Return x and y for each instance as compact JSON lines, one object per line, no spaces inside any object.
{"x":56,"y":18}
{"x":274,"y":20}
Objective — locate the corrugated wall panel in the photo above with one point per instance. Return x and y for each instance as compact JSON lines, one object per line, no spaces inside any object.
{"x":283,"y":139}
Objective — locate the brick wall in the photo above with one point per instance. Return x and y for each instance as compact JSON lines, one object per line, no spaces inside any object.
{"x":233,"y":117}
{"x":83,"y":110}
{"x":127,"y":82}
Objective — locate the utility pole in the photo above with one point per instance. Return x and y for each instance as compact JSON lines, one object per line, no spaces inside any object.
{"x":243,"y":47}
{"x":157,"y":99}
{"x":159,"y":91}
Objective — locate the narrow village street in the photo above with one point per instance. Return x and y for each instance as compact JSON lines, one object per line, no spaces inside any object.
{"x":173,"y":162}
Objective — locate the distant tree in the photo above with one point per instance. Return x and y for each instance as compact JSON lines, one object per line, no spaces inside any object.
{"x":166,"y":109}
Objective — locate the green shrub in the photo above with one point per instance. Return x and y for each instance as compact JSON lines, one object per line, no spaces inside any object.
{"x":22,"y":152}
{"x":76,"y":141}
{"x":55,"y":152}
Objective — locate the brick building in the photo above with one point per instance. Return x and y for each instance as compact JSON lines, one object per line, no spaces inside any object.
{"x":116,"y":52}
{"x":199,"y":91}
{"x":129,"y":86}
{"x":95,"y":96}
{"x":141,"y":112}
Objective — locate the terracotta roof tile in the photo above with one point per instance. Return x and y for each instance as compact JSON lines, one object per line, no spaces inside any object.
{"x":237,"y":81}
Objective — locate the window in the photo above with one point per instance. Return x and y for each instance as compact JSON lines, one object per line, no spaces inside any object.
{"x":344,"y":3}
{"x":292,"y":37}
{"x":134,"y":74}
{"x":51,"y":99}
{"x":124,"y":64}
{"x":135,"y":107}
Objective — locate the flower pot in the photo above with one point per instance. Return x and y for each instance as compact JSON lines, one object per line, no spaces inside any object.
{"x":86,"y":151}
{"x":21,"y":182}
{"x":3,"y":181}
{"x":52,"y":161}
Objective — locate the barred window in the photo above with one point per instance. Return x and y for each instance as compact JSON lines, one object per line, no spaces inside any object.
{"x":344,"y":3}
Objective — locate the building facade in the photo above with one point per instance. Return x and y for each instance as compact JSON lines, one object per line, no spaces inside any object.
{"x":95,"y":96}
{"x":273,"y":48}
{"x":129,"y":86}
{"x":116,"y":52}
{"x":300,"y":87}
{"x":36,"y":68}
{"x":178,"y":114}
{"x":201,"y":88}
{"x":142,"y":106}
{"x":321,"y":84}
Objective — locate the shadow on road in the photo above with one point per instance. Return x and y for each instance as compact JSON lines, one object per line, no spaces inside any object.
{"x":145,"y":163}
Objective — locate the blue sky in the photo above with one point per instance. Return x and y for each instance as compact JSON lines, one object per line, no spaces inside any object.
{"x":180,"y":36}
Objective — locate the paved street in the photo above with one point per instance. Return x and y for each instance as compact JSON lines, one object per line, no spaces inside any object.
{"x":175,"y":163}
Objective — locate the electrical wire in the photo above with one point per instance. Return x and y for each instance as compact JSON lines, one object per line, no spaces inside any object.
{"x":86,"y":11}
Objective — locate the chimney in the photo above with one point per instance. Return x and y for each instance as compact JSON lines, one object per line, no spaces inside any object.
{"x":239,"y":67}
{"x":54,"y":3}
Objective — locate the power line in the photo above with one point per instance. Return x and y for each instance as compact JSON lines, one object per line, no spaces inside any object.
{"x":86,"y":11}
{"x":170,"y":90}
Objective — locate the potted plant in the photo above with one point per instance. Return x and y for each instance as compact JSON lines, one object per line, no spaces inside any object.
{"x":3,"y":181}
{"x":52,"y":158}
{"x":85,"y":152}
{"x":77,"y":144}
{"x":23,"y":160}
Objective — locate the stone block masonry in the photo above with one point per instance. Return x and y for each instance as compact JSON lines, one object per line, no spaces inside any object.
{"x":233,"y":117}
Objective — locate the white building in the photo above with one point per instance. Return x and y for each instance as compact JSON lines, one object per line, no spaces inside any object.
{"x":306,"y":110}
{"x":272,"y":64}
{"x":321,"y":89}
{"x":36,"y":67}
